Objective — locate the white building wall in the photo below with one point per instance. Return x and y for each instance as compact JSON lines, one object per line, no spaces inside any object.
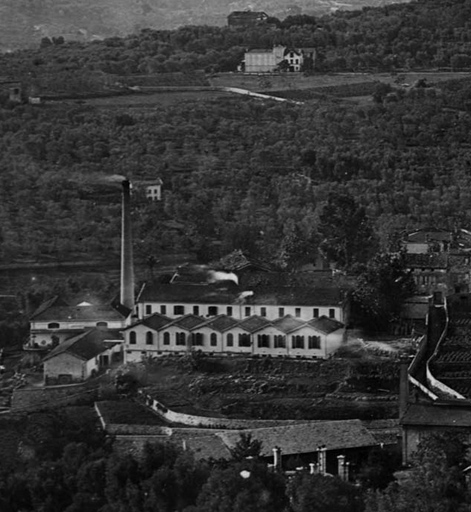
{"x":272,"y":312}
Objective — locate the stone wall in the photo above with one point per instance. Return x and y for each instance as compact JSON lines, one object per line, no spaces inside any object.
{"x":31,"y":399}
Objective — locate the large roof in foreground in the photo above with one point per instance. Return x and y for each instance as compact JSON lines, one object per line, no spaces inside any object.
{"x":306,"y":437}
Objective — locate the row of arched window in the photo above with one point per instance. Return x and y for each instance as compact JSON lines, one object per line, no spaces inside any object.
{"x":198,"y":339}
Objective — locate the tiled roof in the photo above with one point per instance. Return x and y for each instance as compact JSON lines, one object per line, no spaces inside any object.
{"x":296,"y":296}
{"x":57,"y":310}
{"x":237,"y":260}
{"x":156,"y":321}
{"x":254,"y":323}
{"x":325,"y":325}
{"x":222,"y":323}
{"x":206,"y":447}
{"x":86,"y":345}
{"x":189,"y":322}
{"x":307,"y":437}
{"x":288,"y":324}
{"x":437,"y":415}
{"x":225,"y":292}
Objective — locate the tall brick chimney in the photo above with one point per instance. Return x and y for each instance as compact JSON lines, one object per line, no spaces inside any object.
{"x":127,"y":270}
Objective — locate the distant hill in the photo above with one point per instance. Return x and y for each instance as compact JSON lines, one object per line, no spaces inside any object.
{"x":23,"y":23}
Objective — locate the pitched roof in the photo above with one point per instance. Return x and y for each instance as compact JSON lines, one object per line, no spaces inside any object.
{"x":325,"y":325}
{"x":288,"y":324}
{"x":254,"y":323}
{"x":86,"y":345}
{"x":225,"y":292}
{"x":306,"y":437}
{"x":206,"y":447}
{"x":56,"y":309}
{"x":156,"y":321}
{"x":437,"y":415}
{"x":296,"y":296}
{"x":237,"y":260}
{"x":222,"y":323}
{"x":188,"y":322}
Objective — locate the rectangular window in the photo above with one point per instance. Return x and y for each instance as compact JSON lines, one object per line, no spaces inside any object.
{"x":263,"y":311}
{"x":212,"y":310}
{"x":244,"y":340}
{"x":196,"y":310}
{"x":297,"y":312}
{"x":230,"y":340}
{"x":214,"y":339}
{"x":166,"y":338}
{"x":148,"y":309}
{"x":229,"y":311}
{"x":178,"y":310}
{"x":163,"y":310}
{"x":332,"y":313}
{"x":281,"y":312}
{"x":279,"y":341}
{"x":315,"y":313}
{"x":297,"y":341}
{"x":247,"y":311}
{"x":314,"y":342}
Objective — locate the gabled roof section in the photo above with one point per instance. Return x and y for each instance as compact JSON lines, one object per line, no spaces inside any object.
{"x":86,"y":345}
{"x":254,"y":323}
{"x":54,"y":301}
{"x":307,"y":437}
{"x":156,"y":321}
{"x":56,"y":309}
{"x":222,"y":323}
{"x":188,"y":322}
{"x":288,"y":324}
{"x":325,"y":325}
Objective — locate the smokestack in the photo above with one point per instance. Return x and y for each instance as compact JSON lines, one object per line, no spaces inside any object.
{"x":127,"y":270}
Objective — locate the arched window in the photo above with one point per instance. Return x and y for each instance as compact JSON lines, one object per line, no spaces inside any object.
{"x":102,"y":324}
{"x":214,"y":339}
{"x":166,"y":338}
{"x":53,"y":325}
{"x":132,"y":338}
{"x":230,"y":340}
{"x":149,"y":338}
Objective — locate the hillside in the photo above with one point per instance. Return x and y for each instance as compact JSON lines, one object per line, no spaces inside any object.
{"x":24,"y":23}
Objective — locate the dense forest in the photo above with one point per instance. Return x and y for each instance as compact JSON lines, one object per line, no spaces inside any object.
{"x":238,"y":173}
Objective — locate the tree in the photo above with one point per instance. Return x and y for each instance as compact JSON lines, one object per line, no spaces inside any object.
{"x":242,"y":487}
{"x":318,"y":493}
{"x":346,"y":232}
{"x":297,"y":249}
{"x":246,"y":447}
{"x":435,"y":484}
{"x":378,"y":470}
{"x":380,"y":291}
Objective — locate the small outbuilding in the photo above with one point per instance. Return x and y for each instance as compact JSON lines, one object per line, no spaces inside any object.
{"x":82,"y":356}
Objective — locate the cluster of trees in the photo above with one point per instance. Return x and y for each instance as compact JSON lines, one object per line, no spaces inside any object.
{"x":418,"y":34}
{"x":71,"y":467}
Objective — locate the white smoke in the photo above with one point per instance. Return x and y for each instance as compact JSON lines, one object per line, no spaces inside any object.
{"x":216,"y":275}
